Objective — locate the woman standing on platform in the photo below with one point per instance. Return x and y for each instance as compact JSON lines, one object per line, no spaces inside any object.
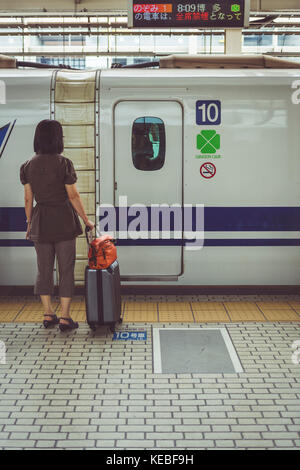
{"x":53,"y":223}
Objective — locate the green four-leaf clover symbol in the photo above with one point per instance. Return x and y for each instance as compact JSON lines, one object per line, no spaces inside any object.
{"x":208,"y":141}
{"x":235,"y":8}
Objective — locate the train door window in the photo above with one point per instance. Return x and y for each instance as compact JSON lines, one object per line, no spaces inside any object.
{"x":148,"y":143}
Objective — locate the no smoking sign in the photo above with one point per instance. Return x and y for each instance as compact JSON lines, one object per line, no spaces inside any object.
{"x":208,"y":170}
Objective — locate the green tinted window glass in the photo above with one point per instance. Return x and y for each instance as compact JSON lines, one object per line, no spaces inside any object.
{"x":148,"y":143}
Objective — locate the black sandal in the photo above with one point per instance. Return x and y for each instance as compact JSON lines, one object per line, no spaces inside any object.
{"x":65,"y":327}
{"x":48,"y":323}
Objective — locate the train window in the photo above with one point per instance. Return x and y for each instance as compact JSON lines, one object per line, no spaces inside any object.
{"x":148,"y":143}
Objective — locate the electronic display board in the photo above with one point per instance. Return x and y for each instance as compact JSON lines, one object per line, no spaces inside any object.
{"x":188,"y":13}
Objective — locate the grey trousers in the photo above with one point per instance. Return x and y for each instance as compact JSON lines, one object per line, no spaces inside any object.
{"x":66,"y":253}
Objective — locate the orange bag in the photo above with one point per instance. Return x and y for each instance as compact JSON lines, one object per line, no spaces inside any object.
{"x":102,"y":252}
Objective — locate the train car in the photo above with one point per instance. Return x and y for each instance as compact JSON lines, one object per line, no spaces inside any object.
{"x":195,"y":170}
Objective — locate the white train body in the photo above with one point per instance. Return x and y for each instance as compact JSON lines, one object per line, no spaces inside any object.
{"x":231,"y":139}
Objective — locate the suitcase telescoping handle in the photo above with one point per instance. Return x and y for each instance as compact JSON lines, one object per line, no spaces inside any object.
{"x":88,"y":235}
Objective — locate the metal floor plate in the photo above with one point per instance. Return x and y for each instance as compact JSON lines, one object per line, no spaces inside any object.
{"x":194,"y":350}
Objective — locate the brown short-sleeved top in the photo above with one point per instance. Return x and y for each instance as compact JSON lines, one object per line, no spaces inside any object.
{"x":53,"y":218}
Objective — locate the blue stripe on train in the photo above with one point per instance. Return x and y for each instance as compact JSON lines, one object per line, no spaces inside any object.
{"x":208,"y":242}
{"x":12,"y":219}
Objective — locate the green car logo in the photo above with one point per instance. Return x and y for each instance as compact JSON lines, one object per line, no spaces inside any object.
{"x":236,"y":8}
{"x":208,"y":141}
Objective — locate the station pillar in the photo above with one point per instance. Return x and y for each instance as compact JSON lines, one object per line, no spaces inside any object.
{"x":233,"y":41}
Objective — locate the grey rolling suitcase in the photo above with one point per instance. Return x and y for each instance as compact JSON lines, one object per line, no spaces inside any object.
{"x":103,"y":296}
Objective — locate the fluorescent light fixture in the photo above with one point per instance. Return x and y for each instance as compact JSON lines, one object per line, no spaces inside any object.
{"x":286,"y":20}
{"x":256,"y":18}
{"x":43,"y":20}
{"x":10,"y":20}
{"x":100,"y":20}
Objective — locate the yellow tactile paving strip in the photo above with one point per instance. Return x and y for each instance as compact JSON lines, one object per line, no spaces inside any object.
{"x":33,"y":316}
{"x":209,"y":312}
{"x":196,"y":306}
{"x":77,"y":315}
{"x":274,"y":305}
{"x":11,"y":305}
{"x":148,"y":316}
{"x":151,"y":312}
{"x":281,"y":315}
{"x":245,"y":306}
{"x":183,"y":316}
{"x":204,"y":316}
{"x":295,"y":306}
{"x":9,"y":311}
{"x":75,"y":307}
{"x":174,"y":306}
{"x":245,"y":316}
{"x":36,"y":307}
{"x":244,"y":312}
{"x":7,"y":316}
{"x":140,"y":306}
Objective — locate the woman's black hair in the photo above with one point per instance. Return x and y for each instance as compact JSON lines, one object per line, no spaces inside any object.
{"x":48,"y":137}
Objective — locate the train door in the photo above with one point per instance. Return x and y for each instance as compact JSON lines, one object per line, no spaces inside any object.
{"x":148,"y":179}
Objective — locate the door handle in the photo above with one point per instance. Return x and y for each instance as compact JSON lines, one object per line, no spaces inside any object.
{"x":116,"y":185}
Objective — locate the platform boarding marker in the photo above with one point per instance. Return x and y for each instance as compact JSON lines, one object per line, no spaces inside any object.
{"x":130,"y":335}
